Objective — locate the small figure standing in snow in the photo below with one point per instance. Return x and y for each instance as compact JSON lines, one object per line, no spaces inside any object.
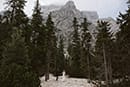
{"x":63,"y":76}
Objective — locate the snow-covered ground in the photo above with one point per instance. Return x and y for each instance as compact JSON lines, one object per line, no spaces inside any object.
{"x":65,"y":82}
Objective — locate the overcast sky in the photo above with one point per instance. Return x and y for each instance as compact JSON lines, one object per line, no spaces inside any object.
{"x":105,"y":8}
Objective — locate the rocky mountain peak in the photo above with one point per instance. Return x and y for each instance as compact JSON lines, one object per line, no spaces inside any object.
{"x":63,"y":19}
{"x":70,"y":4}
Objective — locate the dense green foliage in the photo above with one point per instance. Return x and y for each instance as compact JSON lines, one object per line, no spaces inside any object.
{"x":121,"y":61}
{"x":15,"y":68}
{"x":74,"y":51}
{"x":60,"y":59}
{"x":85,"y":49}
{"x":103,"y":38}
{"x":37,"y":41}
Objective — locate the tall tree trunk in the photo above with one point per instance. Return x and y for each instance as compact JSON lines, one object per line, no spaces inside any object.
{"x":56,"y":69}
{"x":57,"y":77}
{"x":88,"y":62}
{"x":105,"y":65}
{"x":47,"y":73}
{"x":110,"y":72}
{"x":47,"y":66}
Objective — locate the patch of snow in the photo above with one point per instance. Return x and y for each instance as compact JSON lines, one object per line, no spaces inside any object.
{"x":68,"y":82}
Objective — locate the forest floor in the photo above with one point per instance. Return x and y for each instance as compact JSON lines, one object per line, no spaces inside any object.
{"x":65,"y":82}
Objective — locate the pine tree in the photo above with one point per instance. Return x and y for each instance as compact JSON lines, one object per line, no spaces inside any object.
{"x":51,"y":47}
{"x":123,"y":46}
{"x":16,"y":14}
{"x":85,"y":49}
{"x":74,"y":51}
{"x":38,"y":40}
{"x":16,"y":17}
{"x":103,"y":51}
{"x":60,"y":59}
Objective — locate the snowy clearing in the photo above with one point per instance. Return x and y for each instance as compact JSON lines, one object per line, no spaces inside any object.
{"x":65,"y":82}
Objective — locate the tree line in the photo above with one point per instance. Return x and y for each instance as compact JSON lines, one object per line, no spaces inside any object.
{"x":30,"y":48}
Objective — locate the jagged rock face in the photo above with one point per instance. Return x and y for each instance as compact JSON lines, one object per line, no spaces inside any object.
{"x":70,"y":5}
{"x":63,"y":19}
{"x":63,"y":16}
